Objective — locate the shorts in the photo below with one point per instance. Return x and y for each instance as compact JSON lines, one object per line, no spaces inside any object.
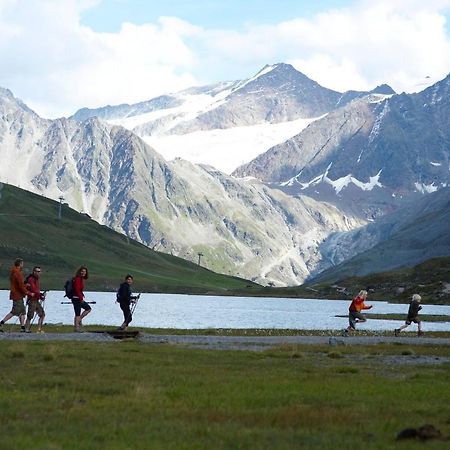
{"x":34,"y":307}
{"x":77,"y":305}
{"x":18,"y":308}
{"x":409,"y":320}
{"x":352,"y":316}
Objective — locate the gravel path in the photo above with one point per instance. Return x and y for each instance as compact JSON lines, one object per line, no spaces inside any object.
{"x":230,"y":342}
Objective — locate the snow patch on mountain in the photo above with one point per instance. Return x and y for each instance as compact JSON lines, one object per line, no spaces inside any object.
{"x":229,"y":148}
{"x":339,"y":183}
{"x":377,"y":125}
{"x":192,"y":105}
{"x":262,"y":72}
{"x":426,"y":188}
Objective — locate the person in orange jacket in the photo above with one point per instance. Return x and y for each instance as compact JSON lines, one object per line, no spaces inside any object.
{"x":17,"y":292}
{"x":354,"y":311}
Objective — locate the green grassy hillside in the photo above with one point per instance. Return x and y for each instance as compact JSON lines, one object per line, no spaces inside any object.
{"x":30,"y":229}
{"x":430,"y":279}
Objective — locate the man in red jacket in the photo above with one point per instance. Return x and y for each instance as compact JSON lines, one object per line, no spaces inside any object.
{"x":34,"y":301}
{"x":17,"y":292}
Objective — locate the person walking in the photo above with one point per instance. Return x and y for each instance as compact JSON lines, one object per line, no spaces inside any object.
{"x":354,"y":312}
{"x":125,"y":298}
{"x":34,"y":301}
{"x":17,"y":292}
{"x":413,"y":315}
{"x":78,"y":300}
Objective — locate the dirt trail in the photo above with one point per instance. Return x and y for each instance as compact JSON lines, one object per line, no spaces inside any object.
{"x":232,"y":342}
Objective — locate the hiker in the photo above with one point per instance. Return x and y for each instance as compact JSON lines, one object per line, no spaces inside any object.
{"x":34,"y":301}
{"x":413,"y":315}
{"x":354,"y":312}
{"x":17,"y":292}
{"x":125,"y":299}
{"x":78,"y":297}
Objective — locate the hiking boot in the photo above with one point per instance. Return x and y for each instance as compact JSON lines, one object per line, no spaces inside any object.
{"x":345,"y":333}
{"x":27,"y":331}
{"x":396,"y":332}
{"x":22,"y":329}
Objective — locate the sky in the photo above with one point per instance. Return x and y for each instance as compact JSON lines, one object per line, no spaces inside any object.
{"x":62,"y":55}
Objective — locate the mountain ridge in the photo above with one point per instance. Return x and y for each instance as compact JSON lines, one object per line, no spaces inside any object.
{"x":114,"y":176}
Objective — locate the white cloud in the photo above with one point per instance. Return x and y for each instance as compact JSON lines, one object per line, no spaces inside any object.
{"x":395,"y":42}
{"x":57,"y":65}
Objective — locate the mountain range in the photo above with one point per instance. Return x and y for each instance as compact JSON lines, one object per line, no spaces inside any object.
{"x":382,"y":148}
{"x":229,"y":123}
{"x":240,"y":227}
{"x":341,"y":160}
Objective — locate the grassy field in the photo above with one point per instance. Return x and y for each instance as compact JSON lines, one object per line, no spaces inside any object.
{"x":128,"y":395}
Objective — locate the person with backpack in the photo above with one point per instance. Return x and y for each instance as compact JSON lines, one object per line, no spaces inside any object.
{"x":125,"y":298}
{"x":17,"y":292}
{"x":354,"y":312}
{"x":34,"y":301}
{"x":78,"y":297}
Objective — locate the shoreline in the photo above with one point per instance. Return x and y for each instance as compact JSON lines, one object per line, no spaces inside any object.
{"x":209,"y":342}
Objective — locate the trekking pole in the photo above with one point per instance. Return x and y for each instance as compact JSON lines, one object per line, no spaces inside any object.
{"x":135,"y":303}
{"x":70,"y":303}
{"x":133,"y":308}
{"x":44,"y":293}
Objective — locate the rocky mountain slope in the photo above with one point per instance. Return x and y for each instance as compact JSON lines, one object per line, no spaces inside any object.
{"x":240,"y":227}
{"x":378,"y":149}
{"x":239,"y":118}
{"x":413,"y":234}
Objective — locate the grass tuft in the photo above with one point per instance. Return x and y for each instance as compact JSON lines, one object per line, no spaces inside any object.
{"x":17,"y":351}
{"x":335,"y":355}
{"x":408,"y":352}
{"x":346,"y":369}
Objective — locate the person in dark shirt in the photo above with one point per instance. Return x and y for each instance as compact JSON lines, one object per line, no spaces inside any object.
{"x":413,"y":315}
{"x":125,"y":298}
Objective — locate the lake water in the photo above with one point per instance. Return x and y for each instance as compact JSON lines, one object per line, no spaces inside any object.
{"x":195,"y":311}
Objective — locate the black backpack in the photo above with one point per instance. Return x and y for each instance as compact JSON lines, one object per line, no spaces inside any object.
{"x":119,"y":294}
{"x":68,"y":288}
